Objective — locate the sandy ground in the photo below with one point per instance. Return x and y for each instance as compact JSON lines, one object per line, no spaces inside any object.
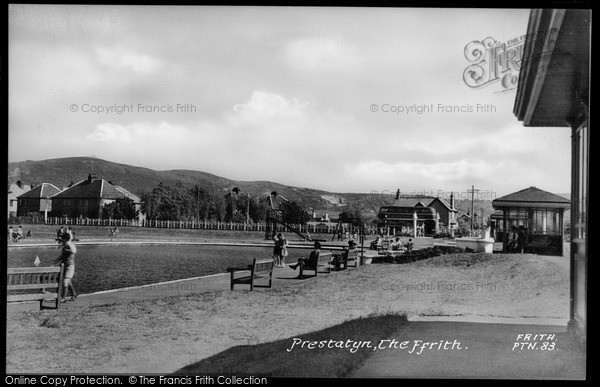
{"x":163,"y":335}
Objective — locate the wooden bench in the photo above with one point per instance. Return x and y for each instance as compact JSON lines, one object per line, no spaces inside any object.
{"x":35,"y":278}
{"x":384,"y":246}
{"x":341,"y":261}
{"x":259,"y":270}
{"x":323,"y":263}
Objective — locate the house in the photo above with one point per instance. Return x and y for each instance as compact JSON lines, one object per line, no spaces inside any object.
{"x":86,"y":198}
{"x":14,"y":191}
{"x":446,"y":212}
{"x":554,"y":91}
{"x":465,"y":217}
{"x":37,"y":200}
{"x":271,"y":201}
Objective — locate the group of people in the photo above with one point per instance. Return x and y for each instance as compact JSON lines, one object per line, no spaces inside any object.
{"x":517,"y":242}
{"x":61,"y":231}
{"x":280,"y":252}
{"x":67,"y":258}
{"x":395,"y":245}
{"x":347,"y":236}
{"x":17,"y":235}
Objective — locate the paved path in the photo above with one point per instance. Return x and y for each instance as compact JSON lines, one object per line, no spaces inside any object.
{"x":484,"y":351}
{"x":159,"y":290}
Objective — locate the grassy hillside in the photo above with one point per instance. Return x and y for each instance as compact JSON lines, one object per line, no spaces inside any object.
{"x":61,"y":172}
{"x":64,"y":171}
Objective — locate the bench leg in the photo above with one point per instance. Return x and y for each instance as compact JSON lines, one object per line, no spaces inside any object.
{"x":231,"y":281}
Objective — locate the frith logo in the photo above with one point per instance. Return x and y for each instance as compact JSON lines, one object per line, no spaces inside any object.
{"x":493,"y":61}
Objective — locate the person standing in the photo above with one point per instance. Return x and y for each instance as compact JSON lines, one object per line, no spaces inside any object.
{"x":279,"y":250}
{"x":59,"y":234}
{"x":67,"y":258}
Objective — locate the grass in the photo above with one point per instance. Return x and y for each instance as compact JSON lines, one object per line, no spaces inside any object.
{"x":167,"y":334}
{"x":331,"y":355}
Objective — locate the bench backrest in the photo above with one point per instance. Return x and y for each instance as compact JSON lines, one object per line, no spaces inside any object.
{"x":262,"y":266}
{"x":23,"y":278}
{"x":323,"y":257}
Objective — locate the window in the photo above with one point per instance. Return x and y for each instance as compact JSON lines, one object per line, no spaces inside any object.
{"x":546,"y":222}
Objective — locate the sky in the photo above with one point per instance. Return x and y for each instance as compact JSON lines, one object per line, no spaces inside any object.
{"x":339,"y":99}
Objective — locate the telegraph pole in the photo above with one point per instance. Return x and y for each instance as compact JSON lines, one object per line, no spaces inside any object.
{"x":472,"y":191}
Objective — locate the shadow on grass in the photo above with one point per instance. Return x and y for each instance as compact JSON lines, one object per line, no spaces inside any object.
{"x":336,"y":357}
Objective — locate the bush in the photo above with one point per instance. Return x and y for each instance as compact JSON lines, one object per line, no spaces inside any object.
{"x":417,"y":255}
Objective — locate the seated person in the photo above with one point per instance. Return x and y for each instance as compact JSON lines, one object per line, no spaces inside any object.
{"x":312,"y":259}
{"x":351,"y":245}
{"x":377,"y":242}
{"x":409,"y":245}
{"x":396,"y":244}
{"x":338,"y":259}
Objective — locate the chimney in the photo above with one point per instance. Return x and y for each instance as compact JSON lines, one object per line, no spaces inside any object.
{"x":91,"y":177}
{"x":452,"y":200}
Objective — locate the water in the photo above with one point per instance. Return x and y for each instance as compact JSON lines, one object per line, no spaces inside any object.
{"x":105,"y":267}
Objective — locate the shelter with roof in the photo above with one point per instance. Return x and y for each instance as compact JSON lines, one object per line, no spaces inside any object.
{"x":554,"y":91}
{"x":37,"y":199}
{"x":537,"y":215}
{"x":86,"y":198}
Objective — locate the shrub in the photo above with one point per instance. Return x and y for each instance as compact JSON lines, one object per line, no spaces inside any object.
{"x":417,"y":255}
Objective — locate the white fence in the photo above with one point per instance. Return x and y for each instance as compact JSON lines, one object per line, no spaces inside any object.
{"x":327,"y":228}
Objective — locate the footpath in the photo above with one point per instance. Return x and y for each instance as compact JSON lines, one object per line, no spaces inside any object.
{"x":488,"y":347}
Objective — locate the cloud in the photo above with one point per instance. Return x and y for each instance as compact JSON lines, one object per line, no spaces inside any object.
{"x":263,"y":105}
{"x":110,"y":132}
{"x":142,"y":134}
{"x":323,"y":54}
{"x":411,"y":172}
{"x":512,"y":140}
{"x":119,"y":59}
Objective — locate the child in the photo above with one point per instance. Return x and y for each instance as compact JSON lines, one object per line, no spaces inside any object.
{"x":67,"y":258}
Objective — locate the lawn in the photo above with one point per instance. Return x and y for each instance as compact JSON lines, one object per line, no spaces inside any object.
{"x":165,"y":335}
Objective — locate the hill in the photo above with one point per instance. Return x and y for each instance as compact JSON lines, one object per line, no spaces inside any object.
{"x":64,"y":171}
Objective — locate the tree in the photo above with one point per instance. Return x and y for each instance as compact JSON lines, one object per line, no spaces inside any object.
{"x":292,"y":213}
{"x":123,"y":208}
{"x":352,"y":215}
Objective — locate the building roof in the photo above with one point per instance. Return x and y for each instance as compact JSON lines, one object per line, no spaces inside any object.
{"x":444,"y":203}
{"x":96,"y":189}
{"x":43,"y":191}
{"x":554,"y":78}
{"x":14,"y":191}
{"x":414,"y":201}
{"x":273,"y":201}
{"x":532,"y":197}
